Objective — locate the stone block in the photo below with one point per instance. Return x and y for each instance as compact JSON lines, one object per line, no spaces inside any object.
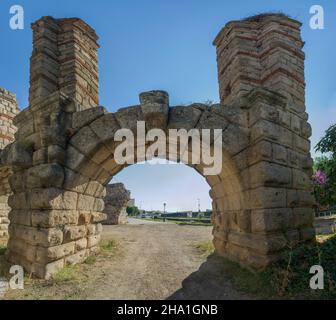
{"x":93,"y":240}
{"x":72,"y":233}
{"x":45,"y":176}
{"x":37,"y":237}
{"x":270,"y":220}
{"x":81,"y":244}
{"x":154,"y":107}
{"x":303,"y":217}
{"x":78,"y":257}
{"x":183,"y":117}
{"x":53,"y":218}
{"x":53,"y":198}
{"x":45,"y":255}
{"x":267,"y":197}
{"x":269,"y":174}
{"x":85,"y":117}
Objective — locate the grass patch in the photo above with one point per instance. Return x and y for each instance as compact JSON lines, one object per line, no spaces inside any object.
{"x":108,"y":247}
{"x":91,"y":260}
{"x":290,"y":277}
{"x":192,"y":223}
{"x":66,"y":274}
{"x":197,"y":222}
{"x":205,"y":248}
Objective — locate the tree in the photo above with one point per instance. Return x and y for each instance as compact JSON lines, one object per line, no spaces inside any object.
{"x":325,"y":169}
{"x":133,"y":211}
{"x":328,"y":142}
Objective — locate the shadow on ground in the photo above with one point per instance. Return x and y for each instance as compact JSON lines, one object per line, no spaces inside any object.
{"x":209,"y":282}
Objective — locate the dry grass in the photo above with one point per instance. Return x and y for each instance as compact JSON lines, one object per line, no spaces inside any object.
{"x":205,"y":248}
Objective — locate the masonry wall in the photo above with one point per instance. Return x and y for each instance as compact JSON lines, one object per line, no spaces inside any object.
{"x":8,"y":110}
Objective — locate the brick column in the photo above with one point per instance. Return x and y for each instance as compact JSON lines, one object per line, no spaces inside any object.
{"x":50,"y":224}
{"x":261,"y":70}
{"x":64,"y":58}
{"x":261,"y":51}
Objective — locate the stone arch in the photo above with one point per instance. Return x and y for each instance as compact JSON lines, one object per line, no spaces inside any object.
{"x":90,"y":159}
{"x":62,"y":155}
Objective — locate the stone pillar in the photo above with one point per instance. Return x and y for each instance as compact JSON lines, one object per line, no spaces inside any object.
{"x":64,"y":58}
{"x":54,"y":217}
{"x":8,"y":110}
{"x":116,"y":201}
{"x":261,"y":70}
{"x":261,"y":51}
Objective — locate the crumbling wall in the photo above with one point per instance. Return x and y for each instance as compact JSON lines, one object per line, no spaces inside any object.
{"x":8,"y":110}
{"x":116,"y":201}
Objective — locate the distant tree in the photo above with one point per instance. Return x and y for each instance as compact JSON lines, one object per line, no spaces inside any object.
{"x":325,"y":169}
{"x":328,"y":142}
{"x":133,"y":211}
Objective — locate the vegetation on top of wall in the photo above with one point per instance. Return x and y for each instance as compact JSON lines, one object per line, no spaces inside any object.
{"x":259,"y":17}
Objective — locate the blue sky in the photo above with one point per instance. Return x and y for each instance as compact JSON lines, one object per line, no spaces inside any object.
{"x":161,"y":44}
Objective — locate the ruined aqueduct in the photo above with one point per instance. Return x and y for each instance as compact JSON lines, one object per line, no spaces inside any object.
{"x":57,"y":154}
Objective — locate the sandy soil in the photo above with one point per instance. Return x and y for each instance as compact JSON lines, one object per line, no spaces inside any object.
{"x":154,"y":261}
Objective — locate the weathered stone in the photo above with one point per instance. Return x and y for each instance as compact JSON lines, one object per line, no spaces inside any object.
{"x":38,"y":237}
{"x":267,"y":197}
{"x":268,"y":220}
{"x":50,"y":254}
{"x":128,"y":117}
{"x":183,"y":117}
{"x":53,"y":198}
{"x":81,"y":244}
{"x":74,"y":232}
{"x":116,"y":200}
{"x":76,"y":258}
{"x":45,"y":176}
{"x":53,"y":218}
{"x":93,"y":240}
{"x":85,"y":117}
{"x":154,"y":107}
{"x":269,"y":174}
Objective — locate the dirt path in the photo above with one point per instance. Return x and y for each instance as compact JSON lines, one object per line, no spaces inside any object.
{"x":150,"y":261}
{"x":157,"y":258}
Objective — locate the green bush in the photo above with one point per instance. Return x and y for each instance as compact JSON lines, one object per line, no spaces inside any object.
{"x":289,"y":278}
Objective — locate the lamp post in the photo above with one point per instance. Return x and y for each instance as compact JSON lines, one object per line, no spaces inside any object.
{"x":199,"y":207}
